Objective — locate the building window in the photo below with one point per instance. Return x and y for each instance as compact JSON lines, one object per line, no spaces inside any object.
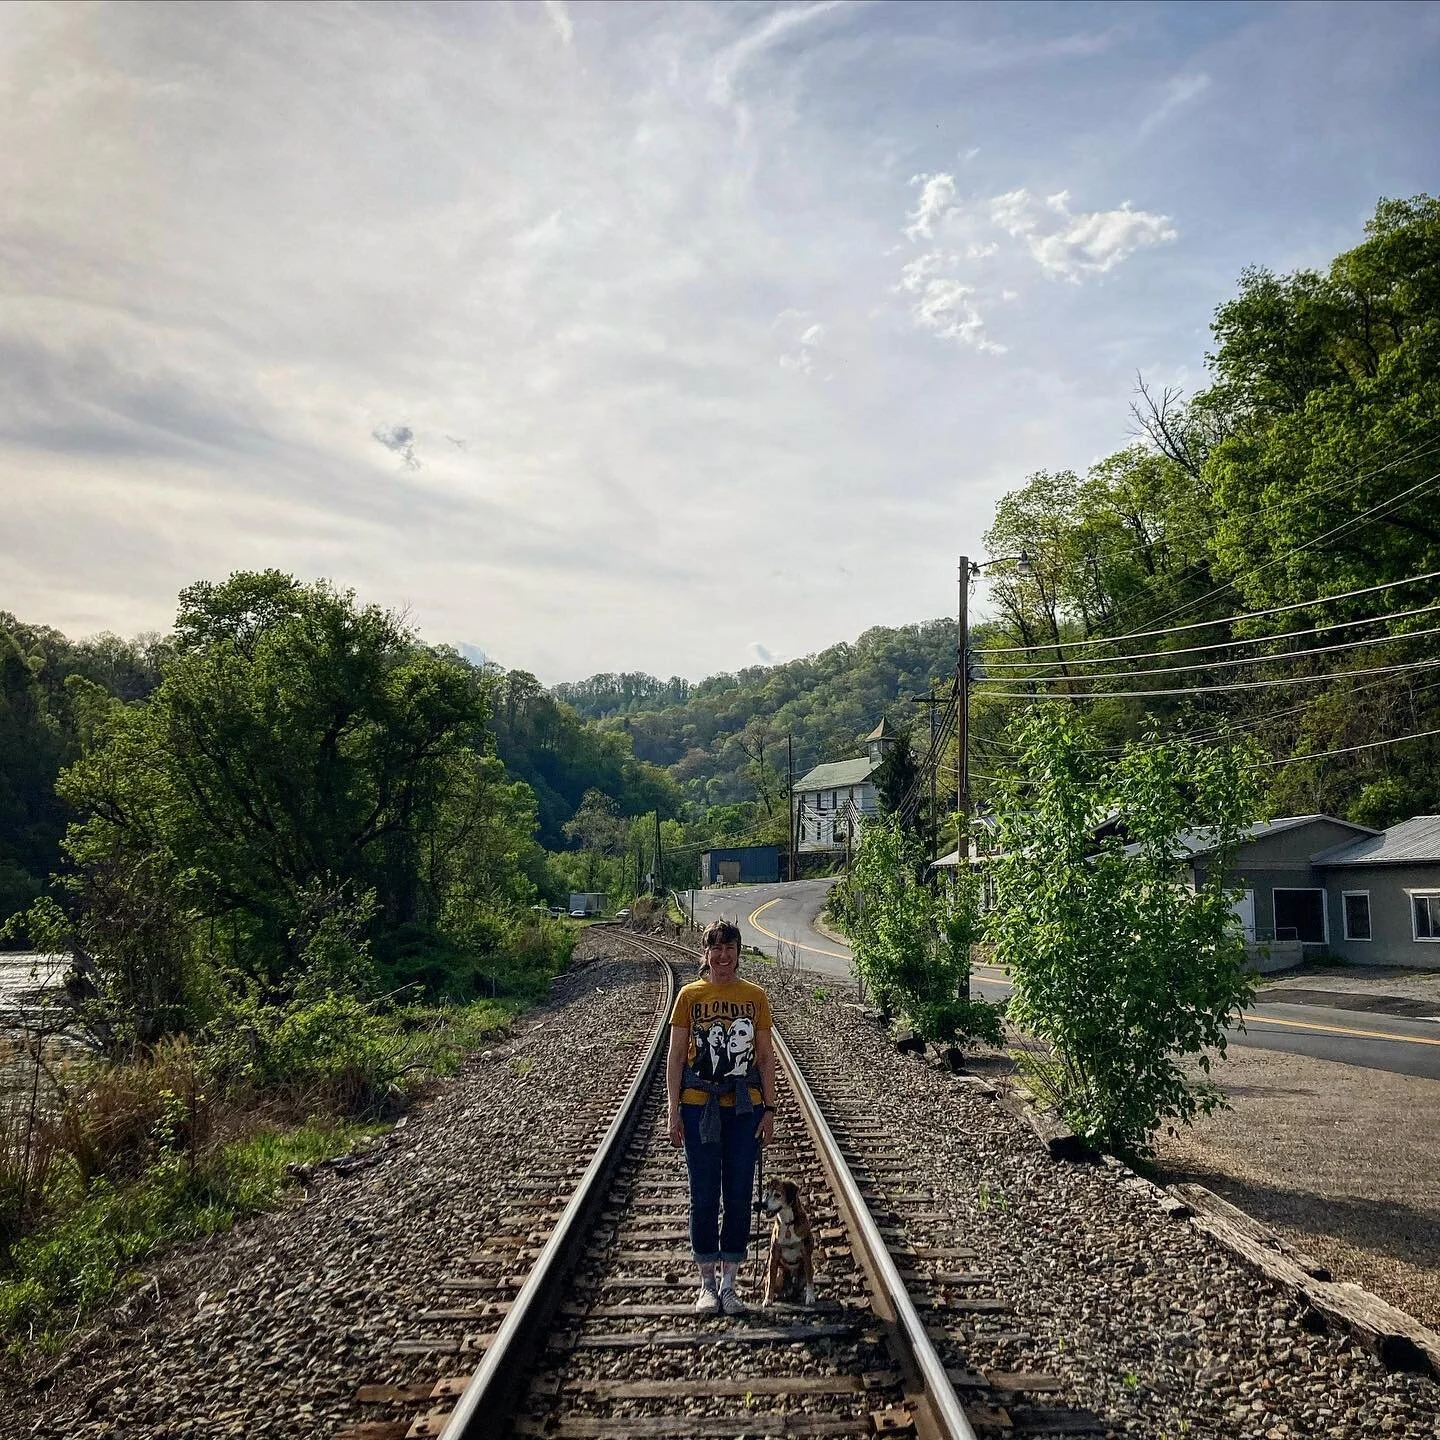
{"x":1425,"y":912}
{"x":1300,"y":915}
{"x":1356,"y":904}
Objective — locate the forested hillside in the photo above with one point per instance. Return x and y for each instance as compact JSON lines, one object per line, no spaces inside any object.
{"x":1309,"y":467}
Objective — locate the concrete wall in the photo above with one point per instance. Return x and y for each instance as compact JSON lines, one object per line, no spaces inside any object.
{"x":1392,"y":941}
{"x":1282,"y":861}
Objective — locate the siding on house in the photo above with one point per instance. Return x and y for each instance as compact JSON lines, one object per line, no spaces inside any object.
{"x":833,"y":799}
{"x":1390,"y":869}
{"x":1277,"y":856}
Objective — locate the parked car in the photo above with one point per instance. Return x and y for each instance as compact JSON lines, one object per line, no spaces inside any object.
{"x":579,"y":914}
{"x":623,"y":914}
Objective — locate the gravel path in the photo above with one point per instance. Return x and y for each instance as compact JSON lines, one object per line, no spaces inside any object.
{"x":268,"y":1330}
{"x":1150,"y":1324}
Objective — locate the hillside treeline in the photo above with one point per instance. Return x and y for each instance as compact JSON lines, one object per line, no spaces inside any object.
{"x":1308,"y":466}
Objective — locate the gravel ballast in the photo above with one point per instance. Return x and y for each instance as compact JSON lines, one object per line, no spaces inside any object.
{"x":1149,"y":1323}
{"x":269,"y":1329}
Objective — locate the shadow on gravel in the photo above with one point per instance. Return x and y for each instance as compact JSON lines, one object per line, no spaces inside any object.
{"x":1383,"y":1226}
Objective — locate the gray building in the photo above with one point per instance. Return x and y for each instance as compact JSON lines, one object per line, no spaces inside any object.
{"x":1313,"y":883}
{"x":1383,"y":895}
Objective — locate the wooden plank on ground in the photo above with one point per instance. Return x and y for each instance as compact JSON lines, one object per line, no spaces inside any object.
{"x":1207,"y":1203}
{"x":701,"y":1427}
{"x":608,"y":1390}
{"x":738,"y":1335}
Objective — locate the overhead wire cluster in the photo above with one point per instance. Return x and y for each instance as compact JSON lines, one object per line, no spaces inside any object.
{"x":1053,"y":671}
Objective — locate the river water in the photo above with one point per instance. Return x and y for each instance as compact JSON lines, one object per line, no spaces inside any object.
{"x":24,"y":980}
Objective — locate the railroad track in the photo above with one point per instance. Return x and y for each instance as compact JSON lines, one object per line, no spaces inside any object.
{"x":575,"y":1315}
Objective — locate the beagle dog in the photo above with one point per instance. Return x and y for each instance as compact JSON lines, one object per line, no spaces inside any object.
{"x":790,"y":1275}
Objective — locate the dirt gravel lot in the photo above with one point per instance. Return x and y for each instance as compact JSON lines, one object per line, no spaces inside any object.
{"x":1343,"y":1160}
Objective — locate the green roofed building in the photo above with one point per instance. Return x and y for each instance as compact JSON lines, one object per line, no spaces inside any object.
{"x":833,"y":801}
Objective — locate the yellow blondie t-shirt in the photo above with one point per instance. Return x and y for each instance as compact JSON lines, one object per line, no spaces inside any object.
{"x":722,"y":1020}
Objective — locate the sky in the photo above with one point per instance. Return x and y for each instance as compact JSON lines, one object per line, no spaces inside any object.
{"x":632,"y":337}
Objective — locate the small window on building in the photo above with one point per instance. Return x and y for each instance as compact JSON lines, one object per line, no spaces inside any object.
{"x":1427,"y":916}
{"x":1300,"y":915}
{"x":1357,"y":914}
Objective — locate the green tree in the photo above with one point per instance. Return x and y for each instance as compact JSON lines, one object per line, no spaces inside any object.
{"x":306,"y":777}
{"x":1119,"y":967}
{"x":911,"y":941}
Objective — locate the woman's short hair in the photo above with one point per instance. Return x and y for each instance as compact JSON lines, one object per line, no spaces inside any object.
{"x":720,"y":932}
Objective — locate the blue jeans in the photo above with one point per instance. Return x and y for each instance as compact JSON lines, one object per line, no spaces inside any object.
{"x":724,"y":1171}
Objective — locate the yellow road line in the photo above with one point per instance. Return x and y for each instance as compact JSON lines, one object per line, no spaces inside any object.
{"x":811,"y":949}
{"x":1341,"y":1030}
{"x":1255,"y":1019}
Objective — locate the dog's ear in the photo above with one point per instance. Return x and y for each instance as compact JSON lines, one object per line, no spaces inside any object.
{"x":791,"y":1192}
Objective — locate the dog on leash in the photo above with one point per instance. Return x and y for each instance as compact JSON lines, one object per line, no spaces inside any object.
{"x":790,"y":1275}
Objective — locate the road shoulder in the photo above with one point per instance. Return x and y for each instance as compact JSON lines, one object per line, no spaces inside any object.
{"x":1343,"y":1160}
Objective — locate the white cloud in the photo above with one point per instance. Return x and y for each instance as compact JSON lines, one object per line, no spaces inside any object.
{"x":560,"y":19}
{"x":1070,"y":246}
{"x":769,"y":32}
{"x":804,"y":337}
{"x":1178,"y":92}
{"x":937,"y":199}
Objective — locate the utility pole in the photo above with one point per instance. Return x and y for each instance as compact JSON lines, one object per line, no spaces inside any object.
{"x":659,"y":858}
{"x":962,"y":679}
{"x":932,"y":827}
{"x":790,"y":801}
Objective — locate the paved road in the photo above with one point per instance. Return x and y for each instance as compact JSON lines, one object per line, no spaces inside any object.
{"x":767,"y":914}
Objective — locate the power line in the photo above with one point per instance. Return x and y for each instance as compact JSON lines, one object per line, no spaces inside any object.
{"x":1219,"y":644}
{"x":1223,"y":664}
{"x":1371,"y":513}
{"x":1346,"y":750}
{"x":1211,"y":689}
{"x":1416,"y":452}
{"x":1228,"y":620}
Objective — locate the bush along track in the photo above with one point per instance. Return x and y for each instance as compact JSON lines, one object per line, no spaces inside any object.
{"x":1145,"y":1321}
{"x":109,"y":1162}
{"x":267,"y":1330}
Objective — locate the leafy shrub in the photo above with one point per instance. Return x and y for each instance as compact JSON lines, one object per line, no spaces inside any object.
{"x":912,"y":943}
{"x":1119,"y":967}
{"x":334,"y":1054}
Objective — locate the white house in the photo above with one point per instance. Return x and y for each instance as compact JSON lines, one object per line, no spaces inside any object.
{"x":833,"y":801}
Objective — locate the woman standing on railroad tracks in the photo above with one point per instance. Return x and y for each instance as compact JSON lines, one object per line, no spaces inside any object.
{"x":720,"y":1080}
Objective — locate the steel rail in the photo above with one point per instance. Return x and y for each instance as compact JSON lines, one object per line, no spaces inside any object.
{"x":484,"y":1406}
{"x":945,"y":1419}
{"x":940,"y":1416}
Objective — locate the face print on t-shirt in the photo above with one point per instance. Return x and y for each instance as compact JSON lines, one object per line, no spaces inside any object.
{"x":724,"y":1046}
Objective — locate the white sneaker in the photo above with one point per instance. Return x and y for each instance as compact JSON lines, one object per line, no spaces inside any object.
{"x":731,"y":1303}
{"x":707,"y":1302}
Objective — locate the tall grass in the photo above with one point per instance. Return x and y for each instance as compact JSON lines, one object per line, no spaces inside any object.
{"x":102,"y":1166}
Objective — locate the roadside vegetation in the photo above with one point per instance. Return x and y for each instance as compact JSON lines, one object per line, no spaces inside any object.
{"x":296,"y":889}
{"x":911,"y":938}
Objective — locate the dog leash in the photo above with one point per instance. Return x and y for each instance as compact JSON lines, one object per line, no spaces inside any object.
{"x":759,"y":1207}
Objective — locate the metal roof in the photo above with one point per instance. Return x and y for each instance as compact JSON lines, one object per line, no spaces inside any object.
{"x":1202,"y":840}
{"x":1411,"y":842}
{"x":838,"y":774}
{"x":882,"y":731}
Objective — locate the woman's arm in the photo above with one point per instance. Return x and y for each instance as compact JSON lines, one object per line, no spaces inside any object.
{"x":674,"y":1074}
{"x":765,"y":1060}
